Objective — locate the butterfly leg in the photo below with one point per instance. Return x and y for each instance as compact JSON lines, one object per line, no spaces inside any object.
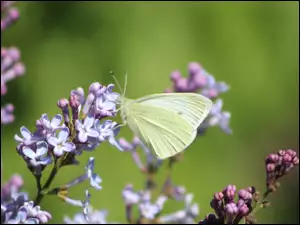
{"x":120,"y":125}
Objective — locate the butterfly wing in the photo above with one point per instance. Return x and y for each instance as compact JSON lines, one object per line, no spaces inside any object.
{"x":165,"y":132}
{"x":192,"y":107}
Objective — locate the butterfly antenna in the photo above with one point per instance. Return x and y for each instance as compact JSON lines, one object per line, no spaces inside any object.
{"x":125,"y":84}
{"x":113,"y":76}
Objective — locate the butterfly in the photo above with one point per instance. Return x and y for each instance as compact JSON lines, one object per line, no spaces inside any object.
{"x":166,"y":123}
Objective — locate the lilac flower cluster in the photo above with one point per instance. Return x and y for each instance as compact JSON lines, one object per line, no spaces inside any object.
{"x":63,"y":137}
{"x":80,"y":127}
{"x":150,"y":210}
{"x":277,"y":165}
{"x":227,"y":211}
{"x":94,"y":217}
{"x":11,"y":67}
{"x":16,"y":207}
{"x":201,"y":82}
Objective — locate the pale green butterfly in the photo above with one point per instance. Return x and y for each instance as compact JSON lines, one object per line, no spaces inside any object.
{"x":166,"y":123}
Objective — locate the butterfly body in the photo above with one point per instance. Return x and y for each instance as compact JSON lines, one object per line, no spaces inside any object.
{"x":166,"y":123}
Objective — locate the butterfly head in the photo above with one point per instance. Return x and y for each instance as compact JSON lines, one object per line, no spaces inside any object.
{"x":122,"y":100}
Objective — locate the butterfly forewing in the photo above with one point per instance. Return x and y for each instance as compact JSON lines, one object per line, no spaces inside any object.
{"x":192,"y":107}
{"x":165,"y":132}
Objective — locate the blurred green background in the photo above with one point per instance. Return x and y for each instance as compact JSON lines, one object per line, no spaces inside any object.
{"x":251,"y":46}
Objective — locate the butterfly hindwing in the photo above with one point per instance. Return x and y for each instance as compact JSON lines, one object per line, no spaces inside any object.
{"x":165,"y":132}
{"x":192,"y":107}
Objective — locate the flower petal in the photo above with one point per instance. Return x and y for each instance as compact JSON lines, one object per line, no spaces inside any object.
{"x":114,"y":142}
{"x":58,"y":151}
{"x":82,"y":136}
{"x":42,"y":148}
{"x":108,"y":105}
{"x":94,"y":182}
{"x":88,"y":122}
{"x":46,"y":160}
{"x":53,"y":141}
{"x":113,"y":97}
{"x":56,"y":121}
{"x":78,"y":125}
{"x":29,"y":152}
{"x":63,"y":135}
{"x":45,"y":121}
{"x":25,"y":133}
{"x":93,"y":133}
{"x":32,"y":221}
{"x":69,"y":146}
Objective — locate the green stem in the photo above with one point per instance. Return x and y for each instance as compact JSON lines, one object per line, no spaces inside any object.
{"x":38,"y":182}
{"x":259,"y":204}
{"x":42,"y":192}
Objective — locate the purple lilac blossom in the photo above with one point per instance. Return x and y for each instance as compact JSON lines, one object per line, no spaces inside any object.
{"x":277,"y":165}
{"x":89,"y":174}
{"x":95,"y":180}
{"x":227,"y":209}
{"x":11,"y":67}
{"x":51,"y":126}
{"x":79,"y":203}
{"x":60,"y":142}
{"x":94,"y":217}
{"x":16,"y":207}
{"x":151,"y":165}
{"x":73,"y":133}
{"x":86,"y":130}
{"x":150,"y":210}
{"x":201,"y":82}
{"x":38,"y":157}
{"x":184,"y":216}
{"x":30,"y":214}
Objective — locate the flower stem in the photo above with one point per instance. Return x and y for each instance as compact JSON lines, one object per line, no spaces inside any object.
{"x":42,"y":192}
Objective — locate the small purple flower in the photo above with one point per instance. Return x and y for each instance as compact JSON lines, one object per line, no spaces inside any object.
{"x":60,"y":143}
{"x":11,"y":68}
{"x":110,"y":95}
{"x":11,"y":16}
{"x":185,"y":216}
{"x":130,"y":197}
{"x":152,"y":162}
{"x":11,"y":195}
{"x":53,"y":125}
{"x":7,"y":114}
{"x":84,"y":204}
{"x":28,"y":137}
{"x":86,"y":129}
{"x":29,"y":214}
{"x":95,"y":217}
{"x":213,"y":89}
{"x":79,"y":95}
{"x":229,"y":193}
{"x":107,"y":131}
{"x":231,"y":208}
{"x":106,"y":101}
{"x":127,"y":146}
{"x":40,"y":156}
{"x":149,"y":210}
{"x":95,"y":180}
{"x":217,"y":117}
